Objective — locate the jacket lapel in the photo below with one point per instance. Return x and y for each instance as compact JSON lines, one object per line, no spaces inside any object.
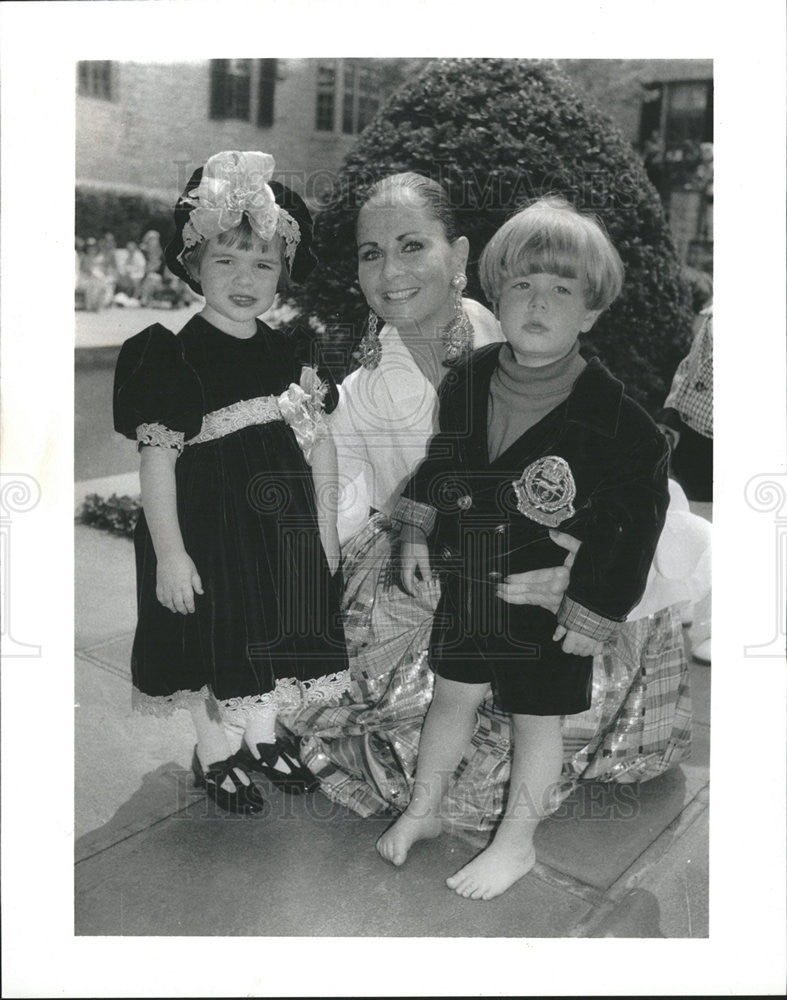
{"x":479,"y":375}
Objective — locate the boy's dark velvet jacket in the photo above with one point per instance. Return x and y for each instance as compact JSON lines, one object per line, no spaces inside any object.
{"x":618,"y":459}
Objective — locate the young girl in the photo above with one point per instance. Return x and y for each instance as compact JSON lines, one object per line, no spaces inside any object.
{"x":531,"y":438}
{"x":238,"y":605}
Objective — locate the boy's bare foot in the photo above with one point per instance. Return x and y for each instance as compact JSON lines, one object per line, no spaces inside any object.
{"x":397,"y":840}
{"x":492,"y":872}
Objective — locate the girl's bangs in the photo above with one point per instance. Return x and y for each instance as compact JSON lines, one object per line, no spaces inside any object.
{"x":242,"y":237}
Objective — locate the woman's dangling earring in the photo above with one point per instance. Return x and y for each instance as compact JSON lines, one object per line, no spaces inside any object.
{"x":370,"y":349}
{"x":458,"y":335}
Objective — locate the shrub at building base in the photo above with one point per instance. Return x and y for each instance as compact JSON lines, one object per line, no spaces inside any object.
{"x":498,"y":133}
{"x":126,"y":216}
{"x":117,"y":515}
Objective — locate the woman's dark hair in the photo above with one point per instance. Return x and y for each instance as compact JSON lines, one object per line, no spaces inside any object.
{"x":432,"y":193}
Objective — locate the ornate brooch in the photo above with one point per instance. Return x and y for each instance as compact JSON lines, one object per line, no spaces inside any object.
{"x":545,"y":491}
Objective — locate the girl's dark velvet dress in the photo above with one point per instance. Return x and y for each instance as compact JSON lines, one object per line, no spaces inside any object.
{"x":269,"y":616}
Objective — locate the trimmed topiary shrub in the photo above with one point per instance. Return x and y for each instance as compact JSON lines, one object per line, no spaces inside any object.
{"x":126,"y":216}
{"x":498,"y":133}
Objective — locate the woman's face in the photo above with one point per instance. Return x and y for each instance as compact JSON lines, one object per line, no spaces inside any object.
{"x":405,"y":263}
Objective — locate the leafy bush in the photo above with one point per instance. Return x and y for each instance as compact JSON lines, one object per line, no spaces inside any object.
{"x":497,"y":133}
{"x":127,"y":216}
{"x":117,"y":515}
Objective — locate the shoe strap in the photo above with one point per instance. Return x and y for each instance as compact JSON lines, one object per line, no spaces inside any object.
{"x":269,"y":752}
{"x":222,"y":769}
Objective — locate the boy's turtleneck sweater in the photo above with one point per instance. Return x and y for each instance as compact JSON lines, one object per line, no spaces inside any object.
{"x":519,"y":396}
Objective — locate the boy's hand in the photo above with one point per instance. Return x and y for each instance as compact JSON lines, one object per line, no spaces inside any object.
{"x":576,"y":642}
{"x":177,"y":580}
{"x":414,"y":559}
{"x":672,"y":436}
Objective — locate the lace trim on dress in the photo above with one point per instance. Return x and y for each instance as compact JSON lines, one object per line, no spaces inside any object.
{"x":327,"y":688}
{"x":159,"y":436}
{"x":288,"y":693}
{"x":301,"y":406}
{"x":236,"y":416}
{"x":161,"y":705}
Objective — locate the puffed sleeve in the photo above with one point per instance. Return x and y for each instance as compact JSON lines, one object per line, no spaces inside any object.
{"x":307,"y":353}
{"x":157,"y":397}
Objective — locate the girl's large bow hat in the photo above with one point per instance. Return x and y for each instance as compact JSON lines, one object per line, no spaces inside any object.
{"x":232,"y":185}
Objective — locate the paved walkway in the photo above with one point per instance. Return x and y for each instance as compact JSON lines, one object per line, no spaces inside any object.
{"x":153,"y":859}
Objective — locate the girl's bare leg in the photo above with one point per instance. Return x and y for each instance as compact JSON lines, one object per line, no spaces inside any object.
{"x":212,"y":744}
{"x":535,"y":769}
{"x":448,"y":730}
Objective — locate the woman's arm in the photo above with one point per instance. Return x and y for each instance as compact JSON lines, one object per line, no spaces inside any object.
{"x":177,"y":579}
{"x":325,"y":473}
{"x":349,"y":430}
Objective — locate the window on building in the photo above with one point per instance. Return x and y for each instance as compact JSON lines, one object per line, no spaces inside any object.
{"x":94,"y":79}
{"x":351,"y":86}
{"x":677,"y":114}
{"x":326,"y":96}
{"x":230,"y":88}
{"x":266,"y":92}
{"x":689,"y":113}
{"x":361,"y":97}
{"x":368,"y":97}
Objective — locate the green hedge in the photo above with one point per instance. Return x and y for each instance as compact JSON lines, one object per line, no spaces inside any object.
{"x":118,"y":515}
{"x":127,"y":216}
{"x":497,"y":133}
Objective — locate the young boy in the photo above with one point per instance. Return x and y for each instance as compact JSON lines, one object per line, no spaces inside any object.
{"x":532,"y":438}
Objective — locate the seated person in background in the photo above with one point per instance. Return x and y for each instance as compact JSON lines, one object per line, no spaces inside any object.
{"x":687,"y":417}
{"x":94,"y":286}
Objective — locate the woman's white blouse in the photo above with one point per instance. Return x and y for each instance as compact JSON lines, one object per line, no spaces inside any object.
{"x":384,"y":422}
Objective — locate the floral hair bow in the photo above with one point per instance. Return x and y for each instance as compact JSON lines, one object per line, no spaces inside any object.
{"x":234,"y":184}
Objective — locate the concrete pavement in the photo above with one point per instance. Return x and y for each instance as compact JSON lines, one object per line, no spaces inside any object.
{"x":153,"y":859}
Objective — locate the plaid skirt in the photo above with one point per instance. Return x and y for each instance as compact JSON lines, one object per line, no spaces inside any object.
{"x":364,"y":749}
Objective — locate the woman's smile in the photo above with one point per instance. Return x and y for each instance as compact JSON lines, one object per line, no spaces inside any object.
{"x":402,"y":295}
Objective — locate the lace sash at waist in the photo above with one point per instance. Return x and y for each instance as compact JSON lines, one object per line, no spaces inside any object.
{"x":216,"y":424}
{"x":245,"y":413}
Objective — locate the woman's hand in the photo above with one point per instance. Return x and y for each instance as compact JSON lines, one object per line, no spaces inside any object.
{"x":576,"y":642}
{"x":544,"y":587}
{"x":177,"y":581}
{"x":414,"y":559}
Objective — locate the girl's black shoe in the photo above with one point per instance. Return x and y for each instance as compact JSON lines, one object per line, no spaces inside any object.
{"x":297,"y":781}
{"x":246,"y":799}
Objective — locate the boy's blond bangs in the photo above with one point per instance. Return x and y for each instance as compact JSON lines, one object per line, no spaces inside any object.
{"x":550,"y":237}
